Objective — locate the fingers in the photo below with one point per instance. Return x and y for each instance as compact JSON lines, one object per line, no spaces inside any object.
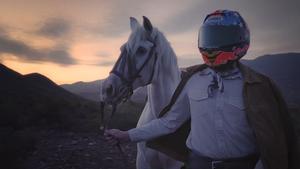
{"x":115,"y":134}
{"x":113,"y":142}
{"x":111,"y":136}
{"x":108,"y":135}
{"x":111,"y":132}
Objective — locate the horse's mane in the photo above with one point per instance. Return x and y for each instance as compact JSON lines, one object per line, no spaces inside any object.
{"x":166,"y":54}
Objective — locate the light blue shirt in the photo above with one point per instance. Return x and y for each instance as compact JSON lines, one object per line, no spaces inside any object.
{"x":219,"y":125}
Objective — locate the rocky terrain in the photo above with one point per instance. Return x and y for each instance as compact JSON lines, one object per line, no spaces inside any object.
{"x":73,"y":150}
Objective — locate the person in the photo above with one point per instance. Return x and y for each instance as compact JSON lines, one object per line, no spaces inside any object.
{"x":239,"y":119}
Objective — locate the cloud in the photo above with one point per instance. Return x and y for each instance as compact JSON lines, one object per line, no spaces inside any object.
{"x":186,"y":19}
{"x":274,"y":25}
{"x":106,"y":63}
{"x":110,"y":24}
{"x":55,"y":28}
{"x":263,"y":14}
{"x":59,"y":54}
{"x":103,"y":54}
{"x":110,"y":28}
{"x":189,"y":59}
{"x":3,"y":31}
{"x":115,"y":22}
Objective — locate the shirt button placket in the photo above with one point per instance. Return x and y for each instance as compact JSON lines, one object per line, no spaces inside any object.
{"x":219,"y":122}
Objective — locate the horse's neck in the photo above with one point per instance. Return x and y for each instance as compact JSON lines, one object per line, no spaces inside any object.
{"x":161,"y":90}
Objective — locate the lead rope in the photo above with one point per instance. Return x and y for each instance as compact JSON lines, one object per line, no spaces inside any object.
{"x":104,"y":125}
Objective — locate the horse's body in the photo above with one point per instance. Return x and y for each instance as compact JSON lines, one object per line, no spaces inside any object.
{"x":166,"y":76}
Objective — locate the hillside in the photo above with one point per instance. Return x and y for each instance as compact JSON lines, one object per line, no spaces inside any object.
{"x":33,"y":99}
{"x":284,"y":70}
{"x":43,"y":125}
{"x":88,"y":90}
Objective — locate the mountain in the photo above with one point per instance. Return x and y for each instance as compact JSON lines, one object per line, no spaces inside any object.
{"x":32,"y":103}
{"x":282,"y":68}
{"x":33,"y":99}
{"x":36,"y":113}
{"x":90,"y":91}
{"x":7,"y":73}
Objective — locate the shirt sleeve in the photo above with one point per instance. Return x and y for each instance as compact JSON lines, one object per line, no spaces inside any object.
{"x":170,"y":122}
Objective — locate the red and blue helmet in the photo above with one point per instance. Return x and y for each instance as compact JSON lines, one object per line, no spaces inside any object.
{"x":224,"y":36}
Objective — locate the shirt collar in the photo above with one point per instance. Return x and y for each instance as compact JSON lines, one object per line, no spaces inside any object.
{"x":232,"y":74}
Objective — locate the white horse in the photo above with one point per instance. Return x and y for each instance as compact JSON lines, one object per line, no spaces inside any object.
{"x":146,"y":59}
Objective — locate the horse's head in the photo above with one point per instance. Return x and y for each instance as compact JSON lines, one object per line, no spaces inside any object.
{"x":135,"y":66}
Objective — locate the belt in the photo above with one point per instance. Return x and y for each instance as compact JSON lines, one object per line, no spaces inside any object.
{"x":196,"y":161}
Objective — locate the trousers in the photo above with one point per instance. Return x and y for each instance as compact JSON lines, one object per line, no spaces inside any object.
{"x":196,"y":161}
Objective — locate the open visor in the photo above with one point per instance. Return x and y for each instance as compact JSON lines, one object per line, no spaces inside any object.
{"x":217,"y":36}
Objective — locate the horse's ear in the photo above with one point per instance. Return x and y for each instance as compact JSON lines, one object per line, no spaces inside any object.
{"x":134,"y":24}
{"x":147,"y":24}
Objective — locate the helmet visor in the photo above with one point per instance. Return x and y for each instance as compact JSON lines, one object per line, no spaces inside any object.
{"x":217,"y":36}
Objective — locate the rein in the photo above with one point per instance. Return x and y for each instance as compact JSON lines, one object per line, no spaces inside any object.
{"x":104,"y":124}
{"x":133,"y":75}
{"x":129,"y":81}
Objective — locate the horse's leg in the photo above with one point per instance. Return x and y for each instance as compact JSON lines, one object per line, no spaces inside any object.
{"x":142,"y":162}
{"x":169,"y":163}
{"x":148,"y":158}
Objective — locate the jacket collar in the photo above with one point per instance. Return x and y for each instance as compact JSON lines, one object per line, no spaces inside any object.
{"x":250,"y":76}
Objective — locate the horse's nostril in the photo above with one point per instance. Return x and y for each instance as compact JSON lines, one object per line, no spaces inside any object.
{"x":109,"y":90}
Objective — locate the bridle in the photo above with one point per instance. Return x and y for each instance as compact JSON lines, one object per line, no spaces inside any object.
{"x":133,"y":74}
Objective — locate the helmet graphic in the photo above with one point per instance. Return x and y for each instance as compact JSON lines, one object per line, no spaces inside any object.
{"x":224,"y":36}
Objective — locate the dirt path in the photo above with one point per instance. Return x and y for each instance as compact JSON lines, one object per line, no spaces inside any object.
{"x":68,"y":150}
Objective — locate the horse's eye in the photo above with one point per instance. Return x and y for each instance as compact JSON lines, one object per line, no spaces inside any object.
{"x":141,"y":51}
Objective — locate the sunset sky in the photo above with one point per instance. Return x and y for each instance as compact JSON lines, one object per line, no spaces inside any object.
{"x":79,"y":40}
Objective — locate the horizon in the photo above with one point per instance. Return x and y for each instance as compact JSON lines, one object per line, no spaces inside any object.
{"x":71,"y":41}
{"x":80,"y":81}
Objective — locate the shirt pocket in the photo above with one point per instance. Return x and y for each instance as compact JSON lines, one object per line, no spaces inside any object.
{"x":199,"y":102}
{"x":236,"y":102}
{"x":235,"y":111}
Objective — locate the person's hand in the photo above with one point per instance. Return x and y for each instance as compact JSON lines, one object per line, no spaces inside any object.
{"x":115,"y":136}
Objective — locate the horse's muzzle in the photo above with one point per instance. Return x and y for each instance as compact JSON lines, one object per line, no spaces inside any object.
{"x":114,"y":92}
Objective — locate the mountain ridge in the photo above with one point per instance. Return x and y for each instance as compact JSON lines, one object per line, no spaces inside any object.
{"x":43,"y":125}
{"x":282,"y":68}
{"x":33,"y":95}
